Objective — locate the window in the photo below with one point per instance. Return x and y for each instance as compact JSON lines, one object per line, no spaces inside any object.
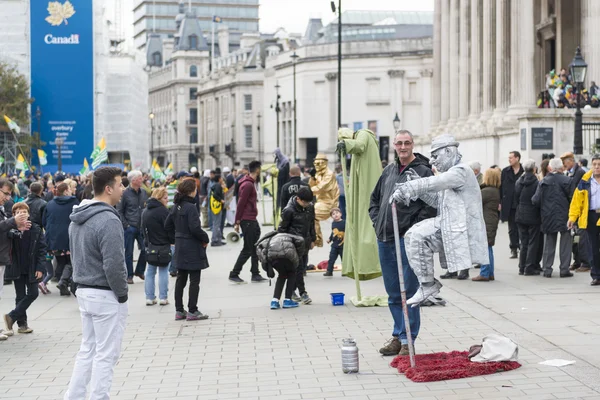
{"x":193,"y":135}
{"x":193,"y":93}
{"x":247,"y":102}
{"x":193,"y":42}
{"x":193,"y":71}
{"x":248,"y":136}
{"x":157,"y":59}
{"x":412,"y":91}
{"x":193,"y":116}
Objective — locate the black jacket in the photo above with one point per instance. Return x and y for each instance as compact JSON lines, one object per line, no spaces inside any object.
{"x":6,"y":224}
{"x":575,"y":176}
{"x":553,"y":196}
{"x":37,"y":205}
{"x":153,"y":224}
{"x":130,"y":207}
{"x":204,"y":186}
{"x":56,"y":221}
{"x":184,"y":222}
{"x":37,"y":254}
{"x":380,"y":209}
{"x":508,"y":180}
{"x":217,"y":192}
{"x":527,"y":212}
{"x":290,"y":189}
{"x":300,"y":221}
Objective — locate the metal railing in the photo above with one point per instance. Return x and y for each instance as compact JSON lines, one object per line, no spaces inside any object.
{"x":591,"y":137}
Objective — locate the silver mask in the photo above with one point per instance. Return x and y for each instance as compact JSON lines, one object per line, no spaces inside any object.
{"x":445,"y":158}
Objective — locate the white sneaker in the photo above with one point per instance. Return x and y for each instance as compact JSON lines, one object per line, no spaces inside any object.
{"x":424,"y":293}
{"x":150,"y":302}
{"x":8,"y":333}
{"x":164,"y":302}
{"x":3,"y":336}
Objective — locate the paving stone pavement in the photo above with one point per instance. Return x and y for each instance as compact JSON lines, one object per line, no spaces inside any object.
{"x":247,"y":351}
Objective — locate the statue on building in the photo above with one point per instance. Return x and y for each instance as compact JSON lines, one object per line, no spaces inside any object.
{"x":457,"y":232}
{"x":325,"y":188}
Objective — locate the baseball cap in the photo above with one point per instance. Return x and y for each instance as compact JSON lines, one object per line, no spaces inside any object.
{"x":183,"y":174}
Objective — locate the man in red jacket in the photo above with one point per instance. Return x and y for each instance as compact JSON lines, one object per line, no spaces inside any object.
{"x":245,"y":217}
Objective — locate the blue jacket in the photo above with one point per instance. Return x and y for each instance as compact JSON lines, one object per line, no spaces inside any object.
{"x":56,"y":221}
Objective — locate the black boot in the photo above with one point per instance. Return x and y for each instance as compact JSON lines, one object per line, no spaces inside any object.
{"x":513,"y":254}
{"x":64,"y":288}
{"x":463,"y":275}
{"x":449,"y":275}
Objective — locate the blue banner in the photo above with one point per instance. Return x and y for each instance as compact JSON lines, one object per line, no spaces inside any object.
{"x":62,"y":79}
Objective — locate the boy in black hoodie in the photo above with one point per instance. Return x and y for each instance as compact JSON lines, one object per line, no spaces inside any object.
{"x":26,"y":270}
{"x":298,"y":218}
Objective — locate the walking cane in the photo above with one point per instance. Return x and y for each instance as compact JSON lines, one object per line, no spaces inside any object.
{"x":411,"y":350}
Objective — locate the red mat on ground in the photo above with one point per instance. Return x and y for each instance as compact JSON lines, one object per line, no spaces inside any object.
{"x":445,"y":366}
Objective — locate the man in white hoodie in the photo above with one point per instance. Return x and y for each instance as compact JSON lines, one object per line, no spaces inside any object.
{"x":98,"y":259}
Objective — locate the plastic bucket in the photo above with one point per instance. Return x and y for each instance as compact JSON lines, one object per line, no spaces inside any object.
{"x":337,"y":299}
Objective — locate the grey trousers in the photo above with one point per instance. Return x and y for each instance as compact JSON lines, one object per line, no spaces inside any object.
{"x":566,"y":243}
{"x":421,"y":242}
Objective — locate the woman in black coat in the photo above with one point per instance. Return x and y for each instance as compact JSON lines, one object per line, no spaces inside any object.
{"x":157,"y":238}
{"x":528,"y":220}
{"x":190,"y":249}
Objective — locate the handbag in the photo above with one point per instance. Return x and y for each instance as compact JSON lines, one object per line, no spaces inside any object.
{"x":157,"y":255}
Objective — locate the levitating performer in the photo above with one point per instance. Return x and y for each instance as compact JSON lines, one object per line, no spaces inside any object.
{"x":457,"y":232}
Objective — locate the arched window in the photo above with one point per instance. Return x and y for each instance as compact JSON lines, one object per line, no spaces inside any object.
{"x":193,"y":71}
{"x":157,"y":59}
{"x":193,"y":42}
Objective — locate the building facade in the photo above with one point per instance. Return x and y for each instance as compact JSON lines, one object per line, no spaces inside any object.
{"x":157,"y":16}
{"x":491,"y":60}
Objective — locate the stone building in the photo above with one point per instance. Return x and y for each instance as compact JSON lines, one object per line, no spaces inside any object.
{"x":491,"y":59}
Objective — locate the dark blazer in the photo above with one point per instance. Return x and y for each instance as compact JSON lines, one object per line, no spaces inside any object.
{"x":184,"y":222}
{"x":37,"y":254}
{"x":56,"y":221}
{"x":153,"y":221}
{"x":507,"y":190}
{"x":575,"y":176}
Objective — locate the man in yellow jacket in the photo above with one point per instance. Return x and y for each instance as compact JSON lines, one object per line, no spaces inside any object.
{"x":585,"y":210}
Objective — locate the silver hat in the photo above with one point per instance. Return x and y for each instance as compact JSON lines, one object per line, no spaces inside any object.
{"x":443,"y":141}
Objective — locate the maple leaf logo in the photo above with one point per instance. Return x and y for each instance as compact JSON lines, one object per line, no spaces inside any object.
{"x":59,"y":13}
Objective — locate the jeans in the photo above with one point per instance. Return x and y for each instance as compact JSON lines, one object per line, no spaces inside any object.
{"x":286,"y":273}
{"x":163,"y":282}
{"x":26,"y":294}
{"x":251,"y":232}
{"x":513,"y":230}
{"x":333,"y":255}
{"x":488,"y":270}
{"x":391,"y":280}
{"x":132,"y":235}
{"x":103,"y":321}
{"x":193,"y":291}
{"x":217,"y":230}
{"x":342,"y":201}
{"x":300,"y":274}
{"x":49,"y":271}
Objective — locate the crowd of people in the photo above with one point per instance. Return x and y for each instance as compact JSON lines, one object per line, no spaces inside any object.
{"x":561,"y":92}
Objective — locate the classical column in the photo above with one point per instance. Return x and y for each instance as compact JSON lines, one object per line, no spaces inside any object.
{"x":523,"y":85}
{"x":502,"y":56}
{"x":463,"y":93}
{"x":445,"y":71}
{"x":515,"y":60}
{"x":454,"y":58}
{"x":590,"y":41}
{"x":396,"y":85}
{"x":476,"y":50}
{"x":436,"y":92}
{"x":426,"y":75}
{"x":489,"y":57}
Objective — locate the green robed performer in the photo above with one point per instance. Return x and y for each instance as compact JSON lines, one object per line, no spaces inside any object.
{"x":361,"y":241}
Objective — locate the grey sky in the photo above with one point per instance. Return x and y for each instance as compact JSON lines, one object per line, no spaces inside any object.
{"x":293,"y":15}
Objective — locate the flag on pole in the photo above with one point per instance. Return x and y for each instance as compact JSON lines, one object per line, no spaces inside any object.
{"x":12,"y":124}
{"x":1,"y":161}
{"x":217,"y":20}
{"x":99,"y":155}
{"x":21,"y":163}
{"x":169,"y":169}
{"x":156,"y":172}
{"x":42,"y":157}
{"x":86,"y":167}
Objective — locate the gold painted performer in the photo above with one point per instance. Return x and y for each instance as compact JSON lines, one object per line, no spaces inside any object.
{"x":325,"y":188}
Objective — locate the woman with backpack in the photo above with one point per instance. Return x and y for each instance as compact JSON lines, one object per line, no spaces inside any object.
{"x":158,"y":246}
{"x":190,"y":249}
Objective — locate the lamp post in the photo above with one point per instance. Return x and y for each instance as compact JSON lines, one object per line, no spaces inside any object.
{"x":151,"y":117}
{"x":277,"y":109}
{"x":396,"y":123}
{"x":59,"y":143}
{"x":339,"y":10}
{"x":294,"y":60}
{"x":258,"y":117}
{"x":578,"y":70}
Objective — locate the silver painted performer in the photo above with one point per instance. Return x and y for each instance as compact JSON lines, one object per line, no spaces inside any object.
{"x":457,"y":232}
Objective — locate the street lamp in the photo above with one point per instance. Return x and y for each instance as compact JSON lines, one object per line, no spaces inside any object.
{"x":339,"y":10}
{"x":396,"y":123}
{"x":294,"y":60}
{"x":578,"y":70}
{"x":277,"y":109}
{"x":59,"y":143}
{"x":258,"y":117}
{"x":151,"y":116}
